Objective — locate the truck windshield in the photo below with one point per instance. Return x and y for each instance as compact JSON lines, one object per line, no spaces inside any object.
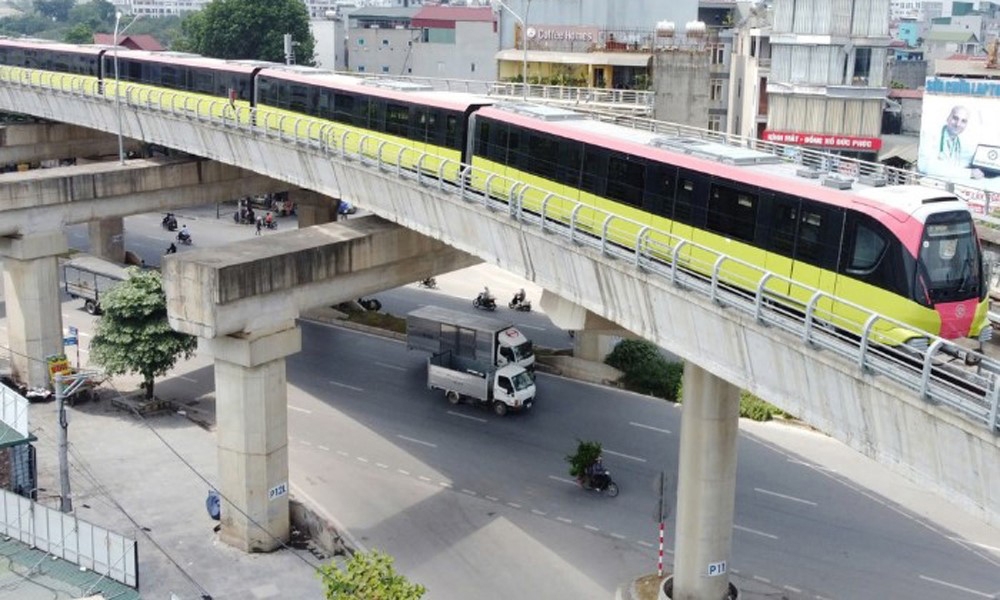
{"x":522,"y":381}
{"x":523,"y":351}
{"x":949,"y":265}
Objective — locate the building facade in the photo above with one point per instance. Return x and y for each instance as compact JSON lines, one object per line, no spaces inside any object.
{"x":827,"y":85}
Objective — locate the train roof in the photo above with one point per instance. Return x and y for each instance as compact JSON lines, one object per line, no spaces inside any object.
{"x":743,"y":164}
{"x":35,"y":43}
{"x":186,"y":59}
{"x":392,"y":89}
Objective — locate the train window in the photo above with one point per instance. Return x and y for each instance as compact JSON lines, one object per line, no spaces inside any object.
{"x":684,"y":200}
{"x":545,"y":151}
{"x":659,"y":192}
{"x":397,"y":119}
{"x":568,"y":167}
{"x":203,"y":81}
{"x":343,"y":108}
{"x":482,"y":145}
{"x":626,"y":179}
{"x":324,"y":104}
{"x":518,"y":154}
{"x":451,"y":132}
{"x":501,"y":143}
{"x":595,"y":169}
{"x":170,"y":77}
{"x":732,"y":212}
{"x":782,"y":219}
{"x":867,"y":251}
{"x":818,"y":240}
{"x":298,"y":97}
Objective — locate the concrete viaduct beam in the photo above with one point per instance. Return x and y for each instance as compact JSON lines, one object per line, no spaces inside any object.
{"x":43,"y":199}
{"x":34,"y":142}
{"x":242,"y":301}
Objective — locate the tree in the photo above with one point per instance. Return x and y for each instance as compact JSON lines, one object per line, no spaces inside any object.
{"x":586,"y":454}
{"x":133,"y":335}
{"x":81,"y":33}
{"x":99,"y":14}
{"x":369,"y":575}
{"x":249,"y":29}
{"x":57,"y":10}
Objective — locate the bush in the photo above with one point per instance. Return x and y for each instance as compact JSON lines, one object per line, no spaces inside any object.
{"x":752,"y":407}
{"x":586,"y":454}
{"x":645,"y":370}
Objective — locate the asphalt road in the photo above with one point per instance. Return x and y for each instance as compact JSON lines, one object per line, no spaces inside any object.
{"x":474,"y":505}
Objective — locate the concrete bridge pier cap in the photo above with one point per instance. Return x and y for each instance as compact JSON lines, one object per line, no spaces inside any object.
{"x":251,"y":394}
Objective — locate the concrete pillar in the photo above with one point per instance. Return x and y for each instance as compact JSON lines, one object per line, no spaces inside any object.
{"x":107,"y":239}
{"x":588,"y":345}
{"x":251,"y":399}
{"x":706,"y":484}
{"x":34,"y":315}
{"x":313,"y":208}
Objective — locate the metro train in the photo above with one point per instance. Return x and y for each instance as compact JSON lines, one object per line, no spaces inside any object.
{"x":906,"y":252}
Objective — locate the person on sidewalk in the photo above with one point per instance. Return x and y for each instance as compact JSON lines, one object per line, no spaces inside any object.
{"x":260,"y":224}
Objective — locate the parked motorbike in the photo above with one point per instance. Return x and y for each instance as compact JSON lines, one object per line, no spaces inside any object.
{"x":429,"y":283}
{"x":371,"y":304}
{"x":608,"y":486}
{"x":519,"y":302}
{"x":169,"y":222}
{"x":484,"y":302}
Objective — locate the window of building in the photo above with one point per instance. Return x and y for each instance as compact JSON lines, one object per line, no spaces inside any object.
{"x":862,"y":65}
{"x":361,"y":68}
{"x":361,"y":41}
{"x":385,"y":69}
{"x":715,"y":122}
{"x":718,"y":54}
{"x":715,"y":89}
{"x":472,"y":68}
{"x":385,"y":42}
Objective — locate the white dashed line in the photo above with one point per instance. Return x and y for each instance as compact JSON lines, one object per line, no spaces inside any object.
{"x":301,"y":410}
{"x":538,"y":512}
{"x":628,"y":456}
{"x":422,"y":478}
{"x":361,"y":459}
{"x":957,"y":587}
{"x":810,"y":465}
{"x":305,"y":443}
{"x":644,"y":543}
{"x":381,"y":465}
{"x":792,"y":589}
{"x":344,"y":385}
{"x":564,"y":519}
{"x":445,"y":484}
{"x":650,"y":427}
{"x":591,"y":528}
{"x":469,"y":417}
{"x":342,"y":453}
{"x":402,"y":472}
{"x":761,"y":579}
{"x":416,"y":441}
{"x":617,"y":536}
{"x":393,"y":367}
{"x":513,"y":505}
{"x":323,"y":448}
{"x":563,"y":479}
{"x":754,"y":531}
{"x":977,"y":544}
{"x":777,"y":495}
{"x":535,"y":327}
{"x":492,"y":499}
{"x":469,"y":492}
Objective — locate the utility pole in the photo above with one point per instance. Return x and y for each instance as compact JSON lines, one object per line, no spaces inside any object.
{"x":66,"y":384}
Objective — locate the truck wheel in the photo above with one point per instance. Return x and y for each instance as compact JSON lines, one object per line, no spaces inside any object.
{"x":453,"y":397}
{"x":90,"y":306}
{"x":499,"y":408}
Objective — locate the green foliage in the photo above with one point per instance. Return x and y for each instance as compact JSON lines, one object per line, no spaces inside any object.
{"x":368,"y":576}
{"x":586,"y":453}
{"x":56,"y":10}
{"x":133,"y":335}
{"x":30,"y":24}
{"x":81,"y":33}
{"x":249,"y":29}
{"x":98,"y":14}
{"x":752,"y":407}
{"x":645,"y":370}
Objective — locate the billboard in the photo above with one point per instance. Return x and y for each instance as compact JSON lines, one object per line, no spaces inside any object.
{"x":960,"y":138}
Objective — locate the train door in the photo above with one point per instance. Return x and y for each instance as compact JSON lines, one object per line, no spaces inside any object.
{"x":779,"y":220}
{"x":817,"y":251}
{"x":688,"y":214}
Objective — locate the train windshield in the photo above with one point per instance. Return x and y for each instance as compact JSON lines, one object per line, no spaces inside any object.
{"x":950,"y":267}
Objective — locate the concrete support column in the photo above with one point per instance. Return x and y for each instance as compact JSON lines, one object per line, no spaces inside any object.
{"x":314,"y":208}
{"x":706,"y":484}
{"x":107,"y":239}
{"x":34,"y":315}
{"x":252,"y":415}
{"x":587,"y":345}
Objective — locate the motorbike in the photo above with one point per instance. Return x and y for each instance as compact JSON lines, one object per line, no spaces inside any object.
{"x":484,"y":302}
{"x":429,"y":283}
{"x":371,"y":304}
{"x":184,"y":239}
{"x":518,"y":303}
{"x":169,"y":222}
{"x":609,"y":487}
{"x":271,"y":225}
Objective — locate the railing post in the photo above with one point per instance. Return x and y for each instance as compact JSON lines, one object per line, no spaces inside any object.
{"x":925,"y":376}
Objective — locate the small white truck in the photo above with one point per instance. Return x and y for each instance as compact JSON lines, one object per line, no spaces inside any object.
{"x":505,"y":389}
{"x":89,"y":277}
{"x":480,"y":339}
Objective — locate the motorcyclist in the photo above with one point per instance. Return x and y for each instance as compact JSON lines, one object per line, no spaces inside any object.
{"x":519,"y":297}
{"x":183,"y":234}
{"x":485,"y":294}
{"x":170,"y":221}
{"x":597,"y":474}
{"x":171,"y":249}
{"x":268,"y":220}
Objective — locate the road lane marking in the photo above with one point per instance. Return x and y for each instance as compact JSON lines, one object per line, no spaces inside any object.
{"x":393,"y":367}
{"x":444,"y":484}
{"x":650,"y":427}
{"x":305,"y":443}
{"x":762,"y":579}
{"x":971,"y":543}
{"x":591,"y":528}
{"x":342,"y":453}
{"x":792,"y":498}
{"x":381,"y":465}
{"x":792,"y":589}
{"x":535,"y":511}
{"x":513,"y":505}
{"x":301,"y":410}
{"x":564,"y":520}
{"x":361,"y":459}
{"x":617,"y":536}
{"x":422,"y":478}
{"x":469,"y":417}
{"x":416,"y":441}
{"x":469,"y":492}
{"x":563,"y":479}
{"x":628,"y":456}
{"x":811,"y":465}
{"x":323,"y":448}
{"x":754,"y":531}
{"x":644,"y":543}
{"x":535,"y":327}
{"x":492,"y":499}
{"x":402,"y":472}
{"x":957,"y":587}
{"x":344,"y":385}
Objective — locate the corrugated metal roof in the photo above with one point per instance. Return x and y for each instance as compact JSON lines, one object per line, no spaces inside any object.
{"x":950,"y":36}
{"x":29,"y":574}
{"x":618,"y":59}
{"x":383,"y":12}
{"x":454,"y":14}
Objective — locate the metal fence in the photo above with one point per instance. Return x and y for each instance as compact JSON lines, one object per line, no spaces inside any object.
{"x":822,"y":321}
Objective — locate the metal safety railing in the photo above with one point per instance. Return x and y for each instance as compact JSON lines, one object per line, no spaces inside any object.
{"x":824,"y":321}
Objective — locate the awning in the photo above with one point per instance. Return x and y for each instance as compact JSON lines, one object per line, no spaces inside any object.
{"x":614,"y":59}
{"x":903,"y":147}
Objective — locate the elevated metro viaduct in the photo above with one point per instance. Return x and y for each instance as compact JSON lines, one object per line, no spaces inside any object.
{"x":724,"y":350}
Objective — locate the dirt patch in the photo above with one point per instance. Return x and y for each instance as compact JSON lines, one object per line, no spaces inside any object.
{"x":647,"y":587}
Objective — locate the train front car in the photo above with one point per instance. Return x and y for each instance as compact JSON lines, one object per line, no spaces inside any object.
{"x":950,"y":276}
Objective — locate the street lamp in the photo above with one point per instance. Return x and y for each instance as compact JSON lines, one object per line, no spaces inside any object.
{"x":524,"y":40}
{"x":118,"y":101}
